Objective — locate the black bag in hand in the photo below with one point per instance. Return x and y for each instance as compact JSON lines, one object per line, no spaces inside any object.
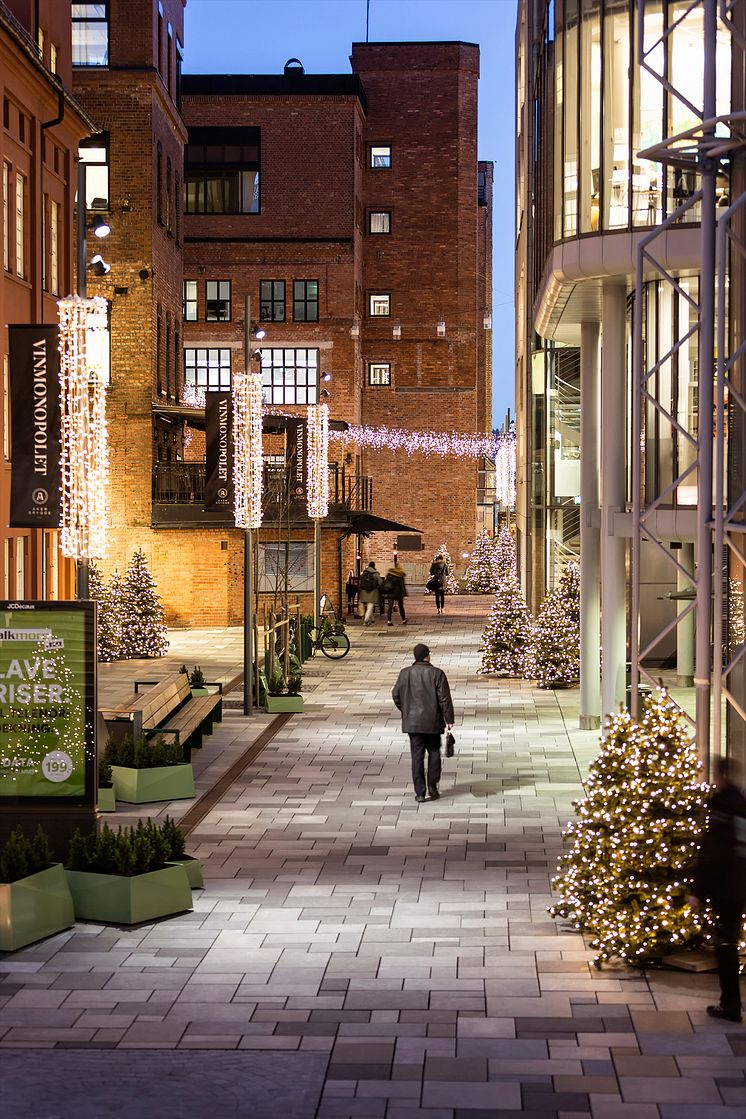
{"x":450,"y":744}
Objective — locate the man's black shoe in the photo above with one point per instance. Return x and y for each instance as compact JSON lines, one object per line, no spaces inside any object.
{"x":434,"y":794}
{"x":723,"y":1014}
{"x":420,"y":799}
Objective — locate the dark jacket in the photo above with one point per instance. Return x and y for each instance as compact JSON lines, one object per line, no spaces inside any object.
{"x":719,"y":872}
{"x":439,"y":572}
{"x":423,"y":696}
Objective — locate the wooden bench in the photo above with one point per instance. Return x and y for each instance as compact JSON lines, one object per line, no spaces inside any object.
{"x":195,"y":719}
{"x":166,"y":707}
{"x":130,"y":704}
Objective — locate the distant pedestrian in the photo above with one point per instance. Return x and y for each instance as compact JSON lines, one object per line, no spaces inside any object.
{"x":370,"y":591}
{"x":438,"y":579}
{"x":423,"y":696}
{"x":720,"y":875}
{"x":395,"y":589}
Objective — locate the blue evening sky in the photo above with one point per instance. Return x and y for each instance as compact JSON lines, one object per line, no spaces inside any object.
{"x":258,"y":36}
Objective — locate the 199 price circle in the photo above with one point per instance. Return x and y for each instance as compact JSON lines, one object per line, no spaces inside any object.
{"x":57,"y":766}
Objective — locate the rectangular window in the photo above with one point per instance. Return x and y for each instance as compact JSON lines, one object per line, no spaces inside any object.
{"x":305,"y":300}
{"x":54,"y":249}
{"x":158,"y":348}
{"x":159,"y":182}
{"x":208,"y":369}
{"x":53,"y":58}
{"x":177,"y":359}
{"x":20,"y":223}
{"x":177,"y":206}
{"x":226,"y":192}
{"x":20,"y":549}
{"x":380,"y":156}
{"x":290,"y":376}
{"x":169,"y":182}
{"x":189,"y":300}
{"x":168,"y":354}
{"x":221,"y":171}
{"x":95,"y":155}
{"x":6,"y":572}
{"x":272,"y":300}
{"x":379,"y":221}
{"x":379,"y":305}
{"x":90,"y":25}
{"x":6,"y":216}
{"x":379,"y":373}
{"x":40,"y":42}
{"x":218,"y":301}
{"x":6,"y":407}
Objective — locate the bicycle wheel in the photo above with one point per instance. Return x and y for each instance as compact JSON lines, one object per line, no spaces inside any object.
{"x":335,"y":646}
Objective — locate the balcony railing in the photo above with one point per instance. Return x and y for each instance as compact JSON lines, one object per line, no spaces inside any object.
{"x":183,"y":483}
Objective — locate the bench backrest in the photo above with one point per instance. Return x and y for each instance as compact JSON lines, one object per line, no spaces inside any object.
{"x":160,"y":701}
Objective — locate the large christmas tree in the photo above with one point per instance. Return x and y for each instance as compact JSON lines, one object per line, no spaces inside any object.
{"x":480,"y":574}
{"x":143,"y":617}
{"x":109,"y":600}
{"x":504,"y":553}
{"x":451,"y":585}
{"x":634,"y":835}
{"x":507,"y":641}
{"x":557,"y":646}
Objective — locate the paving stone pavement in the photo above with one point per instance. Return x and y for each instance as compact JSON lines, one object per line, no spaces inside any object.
{"x":406,"y":948}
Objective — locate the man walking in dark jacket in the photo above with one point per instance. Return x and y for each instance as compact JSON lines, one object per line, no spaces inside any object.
{"x":423,"y":696}
{"x":720,"y":875}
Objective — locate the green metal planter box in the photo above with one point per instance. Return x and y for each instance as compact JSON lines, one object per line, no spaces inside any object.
{"x":106,"y":801}
{"x":116,"y":900}
{"x":192,"y":868}
{"x":163,"y":782}
{"x":34,"y":907}
{"x":284,"y":704}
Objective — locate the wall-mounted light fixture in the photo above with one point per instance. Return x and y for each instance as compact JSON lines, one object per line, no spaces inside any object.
{"x":98,"y":265}
{"x":326,"y":376}
{"x":100,"y":227}
{"x":441,"y":328}
{"x":259,"y":332}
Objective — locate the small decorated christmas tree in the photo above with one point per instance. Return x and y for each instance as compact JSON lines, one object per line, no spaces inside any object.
{"x":504,"y":553}
{"x":110,"y":620}
{"x":480,"y":574}
{"x":634,"y":836}
{"x":507,"y":641}
{"x":557,"y":645}
{"x":143,"y":617}
{"x":451,"y":584}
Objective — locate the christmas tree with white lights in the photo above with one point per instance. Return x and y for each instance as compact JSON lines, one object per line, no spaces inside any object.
{"x":557,"y":645}
{"x":143,"y":617}
{"x":507,"y":641}
{"x":625,"y":879}
{"x":451,"y":583}
{"x":480,"y":574}
{"x":109,"y":628}
{"x":504,"y":554}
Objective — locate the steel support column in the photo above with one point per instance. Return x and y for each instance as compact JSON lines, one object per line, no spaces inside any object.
{"x":590,"y":539}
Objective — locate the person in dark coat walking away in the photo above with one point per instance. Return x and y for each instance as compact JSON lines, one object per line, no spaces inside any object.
{"x":438,"y":576}
{"x":423,"y":696}
{"x":395,"y":590}
{"x":720,"y":875}
{"x":370,"y":591}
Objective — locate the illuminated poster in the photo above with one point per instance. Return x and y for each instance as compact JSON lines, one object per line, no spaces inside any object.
{"x":47,"y":700}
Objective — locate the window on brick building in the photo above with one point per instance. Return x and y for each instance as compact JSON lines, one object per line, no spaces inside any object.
{"x":159,"y":181}
{"x":189,"y":300}
{"x":20,"y":223}
{"x":6,"y":407}
{"x":380,"y":156}
{"x":6,"y":216}
{"x":208,"y":369}
{"x":177,"y":206}
{"x":218,"y":301}
{"x":305,"y":300}
{"x":290,"y":376}
{"x":379,"y":305}
{"x":160,"y":38}
{"x":40,"y":37}
{"x":158,"y":348}
{"x":169,"y":200}
{"x":54,"y":248}
{"x":168,"y":354}
{"x":177,"y":359}
{"x":90,"y":27}
{"x":272,"y":300}
{"x":379,"y":373}
{"x":379,"y":221}
{"x":95,"y":154}
{"x":221,"y":171}
{"x":53,"y":55}
{"x":169,"y":52}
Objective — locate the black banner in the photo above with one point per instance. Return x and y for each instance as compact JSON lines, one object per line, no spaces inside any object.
{"x":35,"y":426}
{"x":219,"y":457}
{"x":297,"y":459}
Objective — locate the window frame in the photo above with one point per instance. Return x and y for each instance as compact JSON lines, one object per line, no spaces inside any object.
{"x":91,"y":20}
{"x":305,"y":302}
{"x":272,"y":302}
{"x":187,"y":301}
{"x":379,"y":232}
{"x":379,"y":365}
{"x":99,"y":141}
{"x":7,"y":176}
{"x":222,"y":384}
{"x":276,"y":384}
{"x":217,"y":298}
{"x":380,"y":166}
{"x":19,"y":222}
{"x":370,"y":313}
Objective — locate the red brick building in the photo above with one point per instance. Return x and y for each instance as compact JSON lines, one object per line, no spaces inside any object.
{"x":42,"y":126}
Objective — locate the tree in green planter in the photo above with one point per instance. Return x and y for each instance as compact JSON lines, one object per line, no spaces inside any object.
{"x":625,"y":878}
{"x":143,"y":618}
{"x":451,"y":584}
{"x":508,"y":638}
{"x":557,"y":640}
{"x":480,"y":574}
{"x":504,"y":554}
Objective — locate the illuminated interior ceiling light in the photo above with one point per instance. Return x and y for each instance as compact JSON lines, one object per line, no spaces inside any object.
{"x":248,"y":463}
{"x":317,"y":490}
{"x":85,"y":444}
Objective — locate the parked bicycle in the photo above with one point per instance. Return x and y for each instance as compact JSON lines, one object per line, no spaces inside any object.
{"x":325,"y":636}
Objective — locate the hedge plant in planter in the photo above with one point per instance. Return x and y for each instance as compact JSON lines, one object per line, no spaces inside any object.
{"x":124,"y":877}
{"x":149,"y":769}
{"x":35,"y":898}
{"x":197,"y":681}
{"x":284,"y":697}
{"x":174,"y":837}
{"x":106,"y":801}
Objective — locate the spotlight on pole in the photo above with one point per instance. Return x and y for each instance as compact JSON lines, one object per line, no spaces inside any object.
{"x":326,"y":376}
{"x":98,"y":265}
{"x":259,"y":332}
{"x":100,"y":227}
